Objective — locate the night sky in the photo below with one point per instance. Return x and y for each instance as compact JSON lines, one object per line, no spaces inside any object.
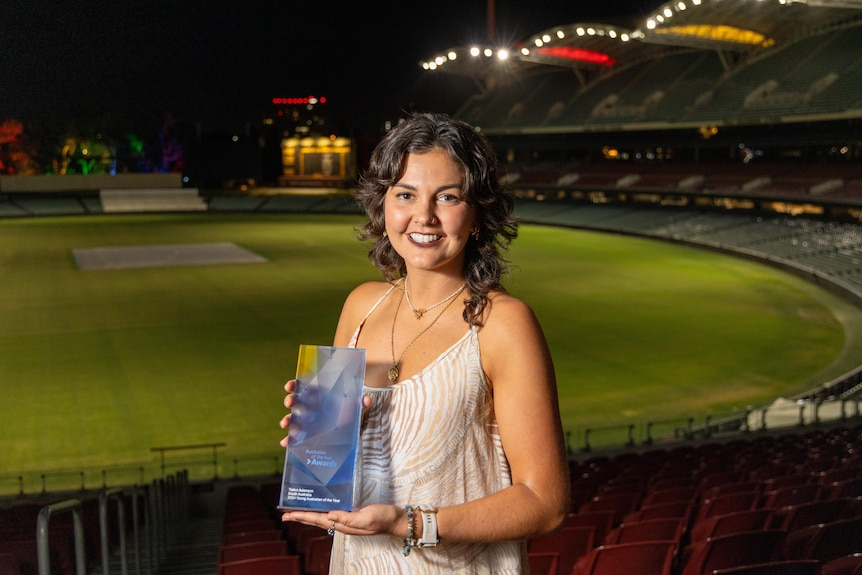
{"x":216,"y":61}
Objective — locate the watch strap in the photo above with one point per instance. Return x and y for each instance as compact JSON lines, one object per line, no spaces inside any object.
{"x":429,"y":528}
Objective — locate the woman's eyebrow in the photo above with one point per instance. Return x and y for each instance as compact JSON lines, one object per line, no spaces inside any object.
{"x":439,"y":188}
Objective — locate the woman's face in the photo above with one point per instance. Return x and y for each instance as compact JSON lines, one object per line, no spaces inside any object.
{"x":427,"y":218}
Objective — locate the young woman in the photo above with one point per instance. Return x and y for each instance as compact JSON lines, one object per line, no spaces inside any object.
{"x":462,"y":456}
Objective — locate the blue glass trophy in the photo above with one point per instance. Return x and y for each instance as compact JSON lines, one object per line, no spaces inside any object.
{"x":323,"y":438}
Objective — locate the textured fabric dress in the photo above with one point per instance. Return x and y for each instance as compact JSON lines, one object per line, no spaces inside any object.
{"x":430,"y":440}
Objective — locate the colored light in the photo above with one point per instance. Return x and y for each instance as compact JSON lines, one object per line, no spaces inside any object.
{"x":299,"y":101}
{"x":578,"y":54}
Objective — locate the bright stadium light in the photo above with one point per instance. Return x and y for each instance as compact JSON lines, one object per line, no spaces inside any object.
{"x":452,"y":55}
{"x":488,"y":52}
{"x":561,"y":34}
{"x":525,"y":51}
{"x":474,"y":51}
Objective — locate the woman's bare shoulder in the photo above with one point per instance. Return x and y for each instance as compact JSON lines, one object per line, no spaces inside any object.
{"x":363,"y":297}
{"x":367,"y":294}
{"x":512,"y":340}
{"x":356,"y":307}
{"x":504,"y":309}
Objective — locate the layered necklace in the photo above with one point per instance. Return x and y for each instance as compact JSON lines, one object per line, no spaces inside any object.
{"x":394,"y":371}
{"x":421,"y":311}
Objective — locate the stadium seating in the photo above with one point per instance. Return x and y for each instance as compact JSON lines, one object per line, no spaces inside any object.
{"x":746,"y":506}
{"x":155,"y":200}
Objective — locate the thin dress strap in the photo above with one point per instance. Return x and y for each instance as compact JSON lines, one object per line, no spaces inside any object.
{"x":355,"y":336}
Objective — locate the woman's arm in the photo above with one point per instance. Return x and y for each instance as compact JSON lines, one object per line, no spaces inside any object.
{"x":517,"y":361}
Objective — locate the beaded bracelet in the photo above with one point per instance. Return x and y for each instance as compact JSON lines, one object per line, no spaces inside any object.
{"x":408,"y":541}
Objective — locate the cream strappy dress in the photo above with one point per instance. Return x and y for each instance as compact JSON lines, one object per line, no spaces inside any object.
{"x":430,"y":440}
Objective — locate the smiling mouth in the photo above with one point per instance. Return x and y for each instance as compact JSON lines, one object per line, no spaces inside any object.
{"x":424,"y":238}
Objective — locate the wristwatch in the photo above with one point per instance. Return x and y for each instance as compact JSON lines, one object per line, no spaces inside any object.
{"x":429,"y":528}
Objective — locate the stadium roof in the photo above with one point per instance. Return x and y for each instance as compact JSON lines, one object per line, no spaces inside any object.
{"x":731,"y":27}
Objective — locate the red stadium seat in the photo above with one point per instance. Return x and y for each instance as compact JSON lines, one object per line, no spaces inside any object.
{"x":847,"y":565}
{"x":641,"y":558}
{"x":677,"y":509}
{"x":826,"y":541}
{"x":600,"y":521}
{"x":620,"y":504}
{"x":570,"y":543}
{"x":543,"y":563}
{"x":799,"y":567}
{"x":669,"y":495}
{"x":669,"y":529}
{"x":728,"y":523}
{"x":734,"y":550}
{"x":729,"y":488}
{"x":797,"y":516}
{"x":793,"y":495}
{"x":729,"y":503}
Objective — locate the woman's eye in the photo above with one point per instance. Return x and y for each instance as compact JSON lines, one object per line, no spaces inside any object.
{"x":449,"y":198}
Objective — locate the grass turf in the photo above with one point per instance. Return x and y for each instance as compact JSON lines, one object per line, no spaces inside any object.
{"x":98,"y":367}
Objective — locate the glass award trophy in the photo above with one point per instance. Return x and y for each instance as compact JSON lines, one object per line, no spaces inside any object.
{"x":323,"y":437}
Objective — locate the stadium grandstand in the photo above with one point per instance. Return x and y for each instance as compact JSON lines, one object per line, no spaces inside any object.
{"x":731,"y":125}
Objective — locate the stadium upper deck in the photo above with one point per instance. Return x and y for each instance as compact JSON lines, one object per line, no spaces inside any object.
{"x":690,"y":63}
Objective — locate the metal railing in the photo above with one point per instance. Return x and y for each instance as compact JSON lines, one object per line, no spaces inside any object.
{"x":158,"y":512}
{"x":43,"y":549}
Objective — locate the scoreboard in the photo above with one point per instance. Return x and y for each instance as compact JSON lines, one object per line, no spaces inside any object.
{"x":318,"y":158}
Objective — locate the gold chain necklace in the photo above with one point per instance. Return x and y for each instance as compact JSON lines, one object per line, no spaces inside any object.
{"x":394,"y":371}
{"x":421,"y":311}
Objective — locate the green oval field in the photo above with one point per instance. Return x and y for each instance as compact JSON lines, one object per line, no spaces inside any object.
{"x":100,"y":366}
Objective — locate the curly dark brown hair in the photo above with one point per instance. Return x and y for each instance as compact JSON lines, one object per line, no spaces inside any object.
{"x":484,"y":262}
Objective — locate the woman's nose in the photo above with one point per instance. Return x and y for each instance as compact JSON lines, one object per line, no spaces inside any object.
{"x":425,"y":216}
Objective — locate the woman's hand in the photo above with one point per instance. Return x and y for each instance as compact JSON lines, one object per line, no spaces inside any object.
{"x":289,"y":388}
{"x":372,"y":520}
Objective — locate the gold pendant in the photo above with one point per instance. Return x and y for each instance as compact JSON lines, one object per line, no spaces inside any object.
{"x":418,"y":313}
{"x":393,"y":373}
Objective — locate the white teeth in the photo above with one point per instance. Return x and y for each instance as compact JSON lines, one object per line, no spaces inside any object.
{"x":424,"y":238}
